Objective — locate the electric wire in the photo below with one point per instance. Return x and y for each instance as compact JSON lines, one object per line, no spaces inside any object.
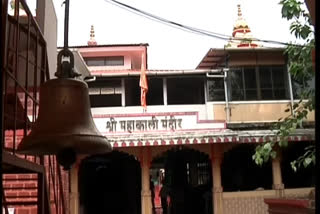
{"x":185,"y":27}
{"x":165,"y":21}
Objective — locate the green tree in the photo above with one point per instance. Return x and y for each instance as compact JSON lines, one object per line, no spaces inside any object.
{"x":300,"y":67}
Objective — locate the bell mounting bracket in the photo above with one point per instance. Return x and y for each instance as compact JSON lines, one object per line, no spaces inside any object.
{"x":65,"y":69}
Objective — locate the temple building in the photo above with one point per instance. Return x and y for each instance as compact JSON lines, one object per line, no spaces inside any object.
{"x":196,"y":137}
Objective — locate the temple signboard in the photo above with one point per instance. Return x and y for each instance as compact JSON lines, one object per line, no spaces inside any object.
{"x":154,"y":122}
{"x":151,"y":124}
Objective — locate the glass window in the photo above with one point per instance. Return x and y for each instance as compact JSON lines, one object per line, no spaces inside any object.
{"x":105,"y":92}
{"x":265,"y":76}
{"x":278,"y":77}
{"x":263,"y":83}
{"x":250,"y":78}
{"x":114,"y":61}
{"x":250,"y":84}
{"x":216,"y":89}
{"x":299,"y":86}
{"x":95,"y":61}
{"x":273,"y":83}
{"x":235,"y":85}
{"x":105,"y":61}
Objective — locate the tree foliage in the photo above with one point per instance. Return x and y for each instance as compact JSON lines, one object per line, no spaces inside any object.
{"x":300,"y":67}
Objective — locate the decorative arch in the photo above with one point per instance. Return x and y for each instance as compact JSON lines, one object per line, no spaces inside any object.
{"x":188,"y":175}
{"x":131,"y":151}
{"x":159,"y":151}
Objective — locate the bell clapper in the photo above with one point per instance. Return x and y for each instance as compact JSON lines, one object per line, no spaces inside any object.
{"x":66,"y":158}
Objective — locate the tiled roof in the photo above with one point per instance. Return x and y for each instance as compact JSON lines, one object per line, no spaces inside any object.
{"x":108,"y":45}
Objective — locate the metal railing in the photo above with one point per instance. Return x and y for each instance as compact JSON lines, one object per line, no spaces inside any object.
{"x":25,"y":68}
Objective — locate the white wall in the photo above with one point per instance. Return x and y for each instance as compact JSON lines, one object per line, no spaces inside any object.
{"x":201,"y":109}
{"x":47,"y":20}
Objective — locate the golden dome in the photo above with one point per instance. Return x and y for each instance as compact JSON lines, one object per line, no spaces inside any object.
{"x":241,"y":35}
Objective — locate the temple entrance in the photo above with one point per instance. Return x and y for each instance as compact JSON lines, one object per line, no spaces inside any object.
{"x":187,"y":176}
{"x":110,"y":183}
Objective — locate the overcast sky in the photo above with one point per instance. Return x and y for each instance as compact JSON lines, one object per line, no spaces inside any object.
{"x":170,"y":48}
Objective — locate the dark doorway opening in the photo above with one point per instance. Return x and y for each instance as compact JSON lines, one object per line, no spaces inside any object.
{"x":240,"y":173}
{"x":188,"y":177}
{"x":303,"y":177}
{"x":110,"y":183}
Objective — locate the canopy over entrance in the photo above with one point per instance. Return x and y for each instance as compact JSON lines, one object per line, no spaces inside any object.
{"x":197,"y":137}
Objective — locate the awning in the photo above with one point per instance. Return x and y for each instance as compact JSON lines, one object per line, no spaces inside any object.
{"x":226,"y":136}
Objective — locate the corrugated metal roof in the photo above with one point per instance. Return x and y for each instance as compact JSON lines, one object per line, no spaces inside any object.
{"x":152,"y":72}
{"x":216,"y":58}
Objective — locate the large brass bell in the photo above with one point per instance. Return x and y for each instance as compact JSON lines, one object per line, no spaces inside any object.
{"x":64,"y":126}
{"x":64,"y":121}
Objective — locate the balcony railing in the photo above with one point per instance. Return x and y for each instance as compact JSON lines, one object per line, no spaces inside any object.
{"x":25,"y":68}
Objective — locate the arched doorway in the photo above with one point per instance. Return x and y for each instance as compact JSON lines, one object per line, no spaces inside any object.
{"x":188,"y":176}
{"x":110,"y":183}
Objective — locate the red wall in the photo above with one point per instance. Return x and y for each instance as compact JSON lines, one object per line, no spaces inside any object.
{"x":23,"y":187}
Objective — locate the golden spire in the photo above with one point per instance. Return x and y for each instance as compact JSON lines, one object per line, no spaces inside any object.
{"x":92,"y":40}
{"x":239,"y":10}
{"x":92,"y":32}
{"x":241,"y":35}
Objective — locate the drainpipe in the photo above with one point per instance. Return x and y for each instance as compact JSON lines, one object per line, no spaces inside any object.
{"x":206,"y":97}
{"x":226,"y":90}
{"x":224,"y":76}
{"x":290,"y":89}
{"x":226,"y":96}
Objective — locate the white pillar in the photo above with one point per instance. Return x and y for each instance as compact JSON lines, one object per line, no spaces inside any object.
{"x":278,"y":186}
{"x":123,"y":93}
{"x":165,"y":97}
{"x":74,"y":195}
{"x":145,"y":161}
{"x":216,"y":158}
{"x":74,"y":192}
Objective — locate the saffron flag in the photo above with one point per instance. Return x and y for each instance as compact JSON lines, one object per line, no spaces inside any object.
{"x":143,"y":83}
